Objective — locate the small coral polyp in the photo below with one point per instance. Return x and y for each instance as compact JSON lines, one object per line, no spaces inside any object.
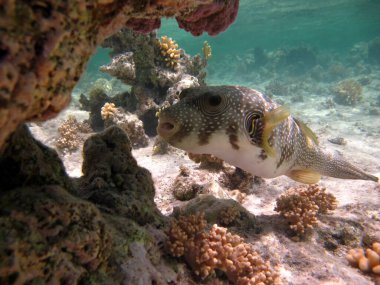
{"x":169,"y":51}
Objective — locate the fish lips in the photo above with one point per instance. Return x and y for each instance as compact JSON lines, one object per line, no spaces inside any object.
{"x":167,"y":127}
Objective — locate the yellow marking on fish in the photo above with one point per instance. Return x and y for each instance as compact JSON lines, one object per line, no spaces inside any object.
{"x":311,"y":137}
{"x":271,"y":120}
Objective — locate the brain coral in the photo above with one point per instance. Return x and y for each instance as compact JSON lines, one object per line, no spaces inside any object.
{"x":218,"y":249}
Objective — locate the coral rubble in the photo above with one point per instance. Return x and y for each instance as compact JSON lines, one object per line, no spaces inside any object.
{"x":43,"y":58}
{"x":301,"y":205}
{"x":206,"y":251}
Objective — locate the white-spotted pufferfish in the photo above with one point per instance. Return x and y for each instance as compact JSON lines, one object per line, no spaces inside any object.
{"x":248,"y":130}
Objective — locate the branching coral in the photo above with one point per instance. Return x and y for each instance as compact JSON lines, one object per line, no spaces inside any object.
{"x":367,"y":261}
{"x":301,"y":205}
{"x":69,"y":138}
{"x":218,"y":249}
{"x":348,"y":92}
{"x":169,"y":51}
{"x":108,"y":111}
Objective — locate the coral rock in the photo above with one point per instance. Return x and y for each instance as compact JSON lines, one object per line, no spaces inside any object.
{"x":50,"y":237}
{"x":113,"y":180}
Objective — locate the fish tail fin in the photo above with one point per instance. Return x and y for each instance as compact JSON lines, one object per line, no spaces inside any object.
{"x":271,"y":120}
{"x":336,"y":166}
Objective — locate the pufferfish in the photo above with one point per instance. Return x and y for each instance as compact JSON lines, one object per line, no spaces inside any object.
{"x":247,"y":129}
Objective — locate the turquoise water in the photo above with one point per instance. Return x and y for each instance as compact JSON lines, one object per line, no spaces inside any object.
{"x":326,"y":26}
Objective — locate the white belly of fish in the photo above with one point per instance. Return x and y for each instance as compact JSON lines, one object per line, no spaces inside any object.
{"x":247,"y":157}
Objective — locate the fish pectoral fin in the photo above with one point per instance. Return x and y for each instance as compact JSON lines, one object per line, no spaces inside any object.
{"x":271,"y":120}
{"x":304,"y":176}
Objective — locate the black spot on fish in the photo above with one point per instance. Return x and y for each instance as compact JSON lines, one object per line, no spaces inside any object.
{"x":203,"y":138}
{"x":263,"y":155}
{"x":232,"y":135}
{"x":182,"y":133}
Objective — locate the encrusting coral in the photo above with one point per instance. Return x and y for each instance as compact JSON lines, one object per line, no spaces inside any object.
{"x":300,"y":206}
{"x":169,"y":51}
{"x":348,"y":92}
{"x":207,"y":251}
{"x":367,"y":260}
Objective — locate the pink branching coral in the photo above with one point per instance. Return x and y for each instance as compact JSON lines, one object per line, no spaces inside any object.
{"x":300,"y":206}
{"x":367,"y":261}
{"x":218,"y":249}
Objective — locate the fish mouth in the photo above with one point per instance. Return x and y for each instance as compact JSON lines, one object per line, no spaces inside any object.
{"x":167,"y":127}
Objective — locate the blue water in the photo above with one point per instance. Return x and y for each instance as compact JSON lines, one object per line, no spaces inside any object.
{"x":326,"y":26}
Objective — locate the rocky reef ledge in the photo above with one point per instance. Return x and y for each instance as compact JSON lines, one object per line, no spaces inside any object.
{"x":102,"y":228}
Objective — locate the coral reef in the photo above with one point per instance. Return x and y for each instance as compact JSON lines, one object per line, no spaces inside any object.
{"x":367,"y":260}
{"x":169,"y":51}
{"x":42,"y":59}
{"x":70,"y":138}
{"x":301,"y":205}
{"x":97,"y":98}
{"x":156,"y":69}
{"x":348,"y":92}
{"x":128,"y":122}
{"x":206,"y":251}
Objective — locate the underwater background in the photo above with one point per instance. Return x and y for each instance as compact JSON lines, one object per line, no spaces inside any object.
{"x":321,"y":59}
{"x":331,"y":29}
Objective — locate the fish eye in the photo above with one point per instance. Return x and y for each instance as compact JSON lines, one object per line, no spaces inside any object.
{"x":214,"y":100}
